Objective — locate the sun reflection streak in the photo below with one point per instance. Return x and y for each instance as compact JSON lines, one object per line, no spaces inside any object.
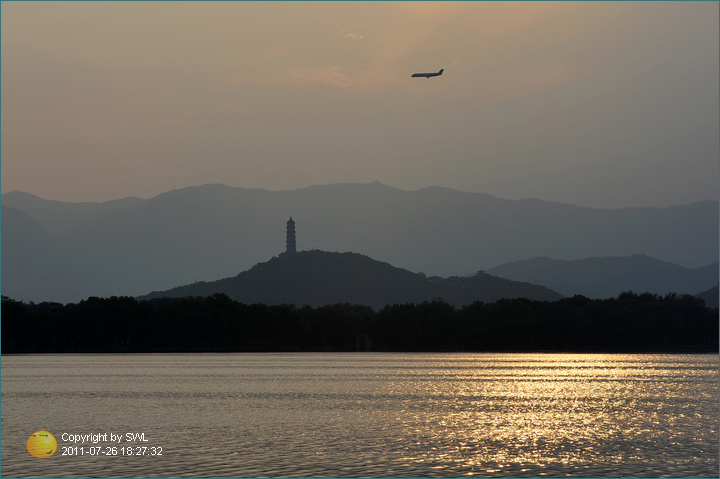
{"x":521,"y":414}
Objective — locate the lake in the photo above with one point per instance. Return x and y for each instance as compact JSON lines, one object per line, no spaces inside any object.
{"x":362,"y":415}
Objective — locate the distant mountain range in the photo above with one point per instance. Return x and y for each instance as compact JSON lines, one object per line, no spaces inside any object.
{"x":317,"y":278}
{"x":609,"y":276}
{"x":65,"y":252}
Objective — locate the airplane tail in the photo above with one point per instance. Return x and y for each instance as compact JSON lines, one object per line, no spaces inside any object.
{"x":441,"y":70}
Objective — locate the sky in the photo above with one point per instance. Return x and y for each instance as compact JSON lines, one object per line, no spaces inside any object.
{"x":605,"y":105}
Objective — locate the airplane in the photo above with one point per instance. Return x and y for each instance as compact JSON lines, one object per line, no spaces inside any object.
{"x":428,"y":75}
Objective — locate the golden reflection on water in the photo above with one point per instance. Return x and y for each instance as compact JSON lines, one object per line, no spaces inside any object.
{"x":563,"y":410}
{"x":371,"y":414}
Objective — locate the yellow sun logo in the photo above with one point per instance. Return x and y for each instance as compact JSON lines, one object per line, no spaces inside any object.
{"x":41,"y":444}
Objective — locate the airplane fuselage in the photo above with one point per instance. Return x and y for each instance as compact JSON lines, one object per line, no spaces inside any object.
{"x":428,"y":75}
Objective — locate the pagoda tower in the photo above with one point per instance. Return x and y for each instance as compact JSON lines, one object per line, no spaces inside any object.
{"x":290,"y":245}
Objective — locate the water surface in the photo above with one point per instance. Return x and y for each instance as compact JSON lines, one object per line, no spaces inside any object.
{"x":367,"y":414}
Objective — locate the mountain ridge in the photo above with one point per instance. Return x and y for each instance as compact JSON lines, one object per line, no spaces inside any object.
{"x":213,"y":231}
{"x":59,"y":216}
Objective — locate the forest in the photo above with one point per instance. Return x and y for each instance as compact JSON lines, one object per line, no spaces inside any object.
{"x":629,"y":323}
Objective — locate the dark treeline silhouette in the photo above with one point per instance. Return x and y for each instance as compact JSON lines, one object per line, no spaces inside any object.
{"x":628,"y":323}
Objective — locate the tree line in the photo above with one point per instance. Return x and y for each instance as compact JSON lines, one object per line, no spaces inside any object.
{"x":628,"y":323}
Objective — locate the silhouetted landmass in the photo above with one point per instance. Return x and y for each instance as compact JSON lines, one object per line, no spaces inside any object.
{"x":711,"y":297}
{"x":317,"y":278}
{"x":31,"y":257}
{"x":607,"y":277}
{"x":629,"y":323}
{"x":131,"y":246}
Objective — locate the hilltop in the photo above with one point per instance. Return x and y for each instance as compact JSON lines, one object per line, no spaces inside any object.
{"x":317,"y":278}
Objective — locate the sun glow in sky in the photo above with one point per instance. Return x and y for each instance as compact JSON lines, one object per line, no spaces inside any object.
{"x":603,"y":104}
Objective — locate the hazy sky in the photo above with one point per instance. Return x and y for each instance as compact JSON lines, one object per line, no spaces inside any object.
{"x":597,"y":104}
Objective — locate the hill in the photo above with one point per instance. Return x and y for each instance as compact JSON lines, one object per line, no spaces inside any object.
{"x":317,"y":278}
{"x":711,"y":297}
{"x":607,"y":277}
{"x":132,"y":246}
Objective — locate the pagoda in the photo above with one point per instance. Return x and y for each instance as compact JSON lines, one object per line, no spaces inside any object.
{"x":290,"y":243}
